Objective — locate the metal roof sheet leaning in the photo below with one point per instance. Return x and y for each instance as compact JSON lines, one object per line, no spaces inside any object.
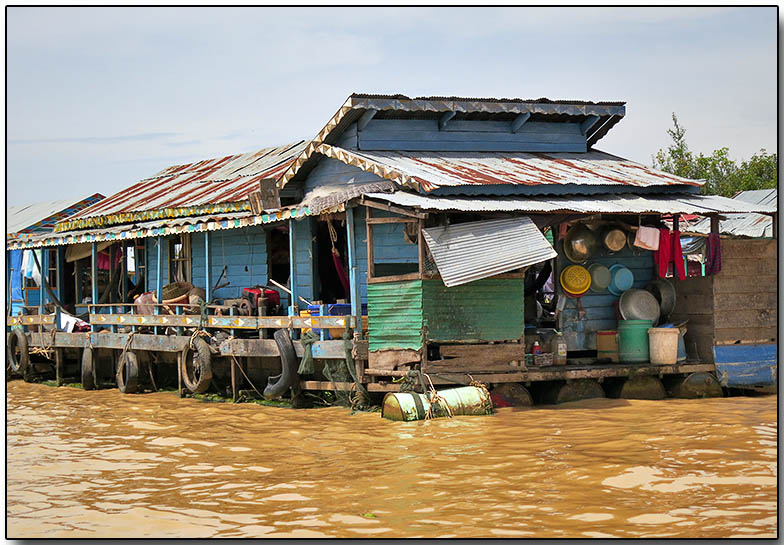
{"x":480,"y":249}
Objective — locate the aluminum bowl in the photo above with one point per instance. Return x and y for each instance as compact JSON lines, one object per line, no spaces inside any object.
{"x":664,"y":292}
{"x":638,"y":304}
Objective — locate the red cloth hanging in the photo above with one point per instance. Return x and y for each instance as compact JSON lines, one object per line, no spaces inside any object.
{"x":677,"y":255}
{"x":662,"y":256}
{"x":341,"y":271}
{"x":713,"y":254}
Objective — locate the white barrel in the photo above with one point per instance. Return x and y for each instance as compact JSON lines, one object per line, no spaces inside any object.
{"x":663,"y":345}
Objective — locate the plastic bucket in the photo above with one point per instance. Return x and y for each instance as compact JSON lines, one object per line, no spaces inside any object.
{"x":607,"y":345}
{"x":633,"y":344}
{"x":663,"y":344}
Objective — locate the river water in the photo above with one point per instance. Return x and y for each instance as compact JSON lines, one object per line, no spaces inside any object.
{"x":104,"y":464}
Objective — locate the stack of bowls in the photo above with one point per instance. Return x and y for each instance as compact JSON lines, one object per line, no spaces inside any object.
{"x":575,"y":280}
{"x":622,"y":279}
{"x":600,"y":277}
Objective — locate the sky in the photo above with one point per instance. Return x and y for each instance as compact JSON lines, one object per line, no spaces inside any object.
{"x":99,"y":98}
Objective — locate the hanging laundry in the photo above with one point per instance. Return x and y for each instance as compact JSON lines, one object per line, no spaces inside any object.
{"x":662,"y":256}
{"x":677,"y":255}
{"x":713,"y":255}
{"x":647,"y":238}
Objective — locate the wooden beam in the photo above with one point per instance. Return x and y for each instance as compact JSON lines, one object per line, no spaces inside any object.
{"x":586,"y":125}
{"x":395,"y":278}
{"x":365,"y":119}
{"x":294,"y":307}
{"x":393,"y":209}
{"x":519,"y":121}
{"x":445,"y":119}
{"x":223,"y":322}
{"x":370,"y":254}
{"x":374,"y":221}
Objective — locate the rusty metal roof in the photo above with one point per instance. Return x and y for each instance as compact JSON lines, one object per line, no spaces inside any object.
{"x":542,"y":100}
{"x":594,"y":204}
{"x":432,"y":170}
{"x":24,"y":221}
{"x":480,"y":249}
{"x":744,"y":225}
{"x":212,"y":185}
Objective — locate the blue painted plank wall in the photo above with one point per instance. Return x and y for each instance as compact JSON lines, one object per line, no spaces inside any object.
{"x":739,"y":365}
{"x":389,"y":244}
{"x":331,"y":173}
{"x":304,"y":266}
{"x":362,"y":254}
{"x":424,"y":135}
{"x":242,"y":251}
{"x":599,"y":310}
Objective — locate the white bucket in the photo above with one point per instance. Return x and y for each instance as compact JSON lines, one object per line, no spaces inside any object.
{"x":663,"y":344}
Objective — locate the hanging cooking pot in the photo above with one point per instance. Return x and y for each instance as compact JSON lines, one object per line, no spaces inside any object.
{"x":613,"y":238}
{"x":580,"y":243}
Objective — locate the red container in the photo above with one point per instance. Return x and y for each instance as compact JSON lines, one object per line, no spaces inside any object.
{"x":257,"y":292}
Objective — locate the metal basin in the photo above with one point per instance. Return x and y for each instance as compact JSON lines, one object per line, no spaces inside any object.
{"x":664,"y":292}
{"x":580,"y":243}
{"x":638,"y":304}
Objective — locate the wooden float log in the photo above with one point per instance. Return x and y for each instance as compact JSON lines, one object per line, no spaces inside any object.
{"x":572,"y":390}
{"x":511,"y":394}
{"x":694,"y":386}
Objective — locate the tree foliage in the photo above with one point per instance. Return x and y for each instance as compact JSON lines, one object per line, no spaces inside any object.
{"x":723,"y":175}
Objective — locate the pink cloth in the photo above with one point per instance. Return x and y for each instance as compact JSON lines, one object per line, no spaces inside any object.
{"x":647,"y":238}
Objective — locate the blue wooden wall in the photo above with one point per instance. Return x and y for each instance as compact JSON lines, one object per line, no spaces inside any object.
{"x":304,"y":264}
{"x":242,"y":251}
{"x":599,"y":310}
{"x":425,"y":135}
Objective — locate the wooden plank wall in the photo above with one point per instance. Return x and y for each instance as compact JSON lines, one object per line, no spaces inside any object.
{"x":745,"y":298}
{"x":424,"y":135}
{"x":694,"y":302}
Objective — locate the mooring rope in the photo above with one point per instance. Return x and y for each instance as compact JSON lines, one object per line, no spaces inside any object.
{"x":237,"y":363}
{"x":122,"y":354}
{"x":435,"y":398}
{"x":44,"y":350}
{"x":488,"y":403}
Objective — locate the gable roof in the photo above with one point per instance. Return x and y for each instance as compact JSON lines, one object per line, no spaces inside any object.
{"x":40,"y":217}
{"x":210,"y":186}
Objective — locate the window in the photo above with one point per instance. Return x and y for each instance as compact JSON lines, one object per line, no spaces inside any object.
{"x":137,"y":262}
{"x":180,"y":258}
{"x":52,"y":270}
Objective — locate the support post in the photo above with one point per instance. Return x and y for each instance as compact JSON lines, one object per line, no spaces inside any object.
{"x":207,"y":265}
{"x":356,"y":296}
{"x":234,"y":364}
{"x":158,"y":285}
{"x":41,"y":289}
{"x":78,"y":280}
{"x":714,"y":224}
{"x":58,"y":366}
{"x":294,"y":307}
{"x":94,"y":278}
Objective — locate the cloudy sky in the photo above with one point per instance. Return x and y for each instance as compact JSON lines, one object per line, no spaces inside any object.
{"x":98,"y":98}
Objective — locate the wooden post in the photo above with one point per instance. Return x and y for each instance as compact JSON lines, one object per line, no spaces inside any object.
{"x":158,"y":285}
{"x":421,"y":244}
{"x":356,"y":293}
{"x":124,"y":262}
{"x":178,"y":311}
{"x":294,"y":307}
{"x":775,"y":233}
{"x":78,"y":280}
{"x":207,"y":264}
{"x":41,"y":289}
{"x":58,"y":366}
{"x":714,"y":224}
{"x":179,"y":373}
{"x":9,"y":273}
{"x":94,"y":278}
{"x":371,"y":257}
{"x":234,"y":364}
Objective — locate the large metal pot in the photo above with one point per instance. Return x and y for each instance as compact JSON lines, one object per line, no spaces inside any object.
{"x":664,"y":292}
{"x":613,"y":238}
{"x":580,"y":243}
{"x":639,"y":305}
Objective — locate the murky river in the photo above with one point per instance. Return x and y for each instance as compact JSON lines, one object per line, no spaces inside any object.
{"x":103,"y":464}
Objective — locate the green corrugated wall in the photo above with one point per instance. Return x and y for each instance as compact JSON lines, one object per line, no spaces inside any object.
{"x":483,"y":310}
{"x":395,"y":315}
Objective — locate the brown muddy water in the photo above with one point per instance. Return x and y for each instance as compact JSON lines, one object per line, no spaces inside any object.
{"x":104,"y":464}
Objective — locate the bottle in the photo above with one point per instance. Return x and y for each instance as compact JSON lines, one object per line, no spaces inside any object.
{"x":536,"y":349}
{"x":559,"y":354}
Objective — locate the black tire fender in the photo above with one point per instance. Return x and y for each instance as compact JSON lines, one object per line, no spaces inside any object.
{"x":196,"y":366}
{"x":88,"y":369}
{"x":128,"y":379}
{"x":18,"y":340}
{"x":278,"y":384}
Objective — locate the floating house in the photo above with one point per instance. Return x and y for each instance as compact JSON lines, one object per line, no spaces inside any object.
{"x":435,"y":238}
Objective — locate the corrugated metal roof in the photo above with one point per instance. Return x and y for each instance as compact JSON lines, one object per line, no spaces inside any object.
{"x":480,"y":249}
{"x":42,"y":216}
{"x":430,"y":170}
{"x":595,"y":204}
{"x":745,"y":225}
{"x":542,"y":100}
{"x":190,"y":189}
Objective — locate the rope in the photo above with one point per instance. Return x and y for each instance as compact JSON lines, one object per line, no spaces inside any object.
{"x":234,"y":359}
{"x":487,"y":403}
{"x":125,"y":351}
{"x":44,"y":350}
{"x":199,"y":333}
{"x":435,"y":398}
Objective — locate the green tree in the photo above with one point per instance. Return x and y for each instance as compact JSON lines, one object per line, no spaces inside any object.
{"x":722,"y":175}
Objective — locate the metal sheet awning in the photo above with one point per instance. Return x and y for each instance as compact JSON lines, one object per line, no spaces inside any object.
{"x":595,"y":204}
{"x":480,"y":249}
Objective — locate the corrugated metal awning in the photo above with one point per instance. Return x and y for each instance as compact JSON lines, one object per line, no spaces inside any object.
{"x":480,"y":249}
{"x":595,"y":204}
{"x":744,"y":225}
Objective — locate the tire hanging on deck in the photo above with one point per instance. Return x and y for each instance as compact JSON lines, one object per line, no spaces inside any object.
{"x":128,"y":379}
{"x":89,"y":381}
{"x":196,"y":366}
{"x":16,"y":339}
{"x":278,"y":384}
